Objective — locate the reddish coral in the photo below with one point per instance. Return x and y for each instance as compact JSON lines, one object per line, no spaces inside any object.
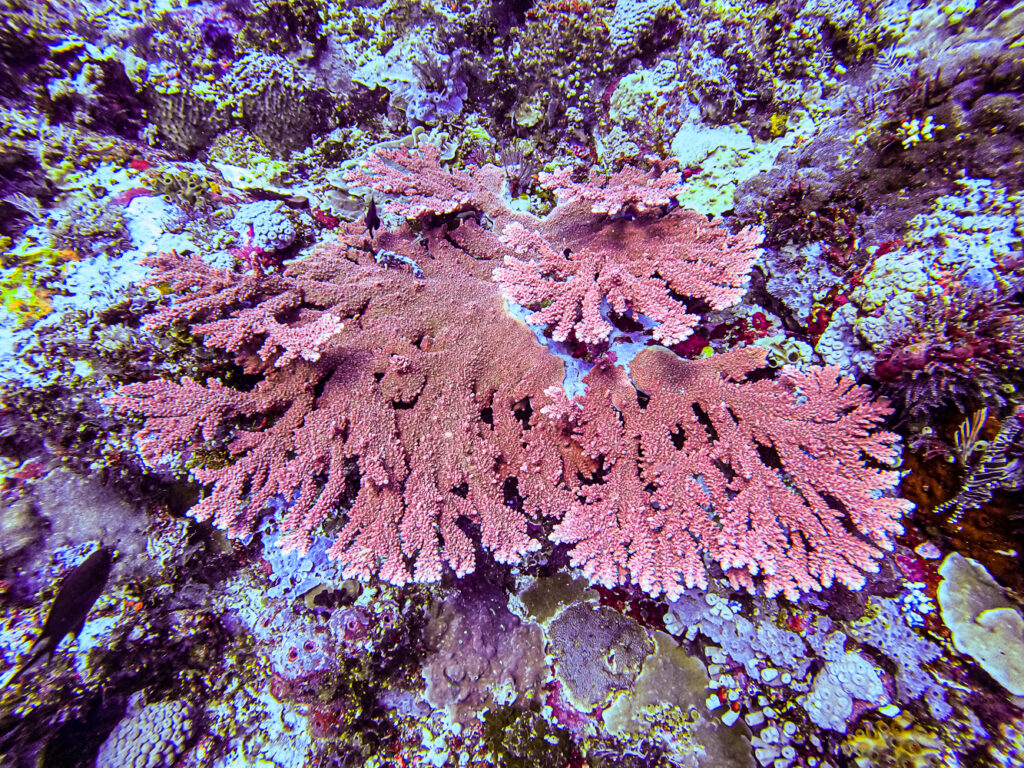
{"x":768,"y":478}
{"x":639,"y":267}
{"x":418,"y":406}
{"x":424,"y":392}
{"x":326,"y":218}
{"x":328,"y":721}
{"x":417,"y":174}
{"x":630,"y":188}
{"x":282,"y":343}
{"x":125,"y":197}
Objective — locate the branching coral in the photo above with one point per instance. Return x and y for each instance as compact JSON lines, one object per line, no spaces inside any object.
{"x":769,"y":478}
{"x":428,"y":415}
{"x":414,"y":399}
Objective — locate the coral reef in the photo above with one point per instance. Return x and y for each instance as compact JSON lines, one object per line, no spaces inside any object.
{"x":610,"y":383}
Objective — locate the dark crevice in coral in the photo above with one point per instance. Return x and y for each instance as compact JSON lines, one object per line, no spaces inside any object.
{"x":769,"y":456}
{"x":705,"y":420}
{"x":523,"y":412}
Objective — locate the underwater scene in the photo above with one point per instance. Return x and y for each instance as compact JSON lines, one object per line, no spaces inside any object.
{"x":520,"y":383}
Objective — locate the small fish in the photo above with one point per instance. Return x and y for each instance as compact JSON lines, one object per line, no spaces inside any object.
{"x":75,"y":597}
{"x":372,"y":219}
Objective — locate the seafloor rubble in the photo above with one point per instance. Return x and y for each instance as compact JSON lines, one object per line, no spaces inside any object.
{"x":532,"y":384}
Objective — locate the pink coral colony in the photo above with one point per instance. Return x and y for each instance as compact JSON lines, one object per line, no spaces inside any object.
{"x":424,"y":415}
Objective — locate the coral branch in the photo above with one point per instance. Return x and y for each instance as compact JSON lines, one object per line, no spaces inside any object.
{"x":657,"y":268}
{"x":629,"y":188}
{"x":306,"y":341}
{"x":418,"y":177}
{"x":408,"y":414}
{"x":178,"y":414}
{"x":767,"y":478}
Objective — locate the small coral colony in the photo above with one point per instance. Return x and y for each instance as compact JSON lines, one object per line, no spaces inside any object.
{"x":527,"y":383}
